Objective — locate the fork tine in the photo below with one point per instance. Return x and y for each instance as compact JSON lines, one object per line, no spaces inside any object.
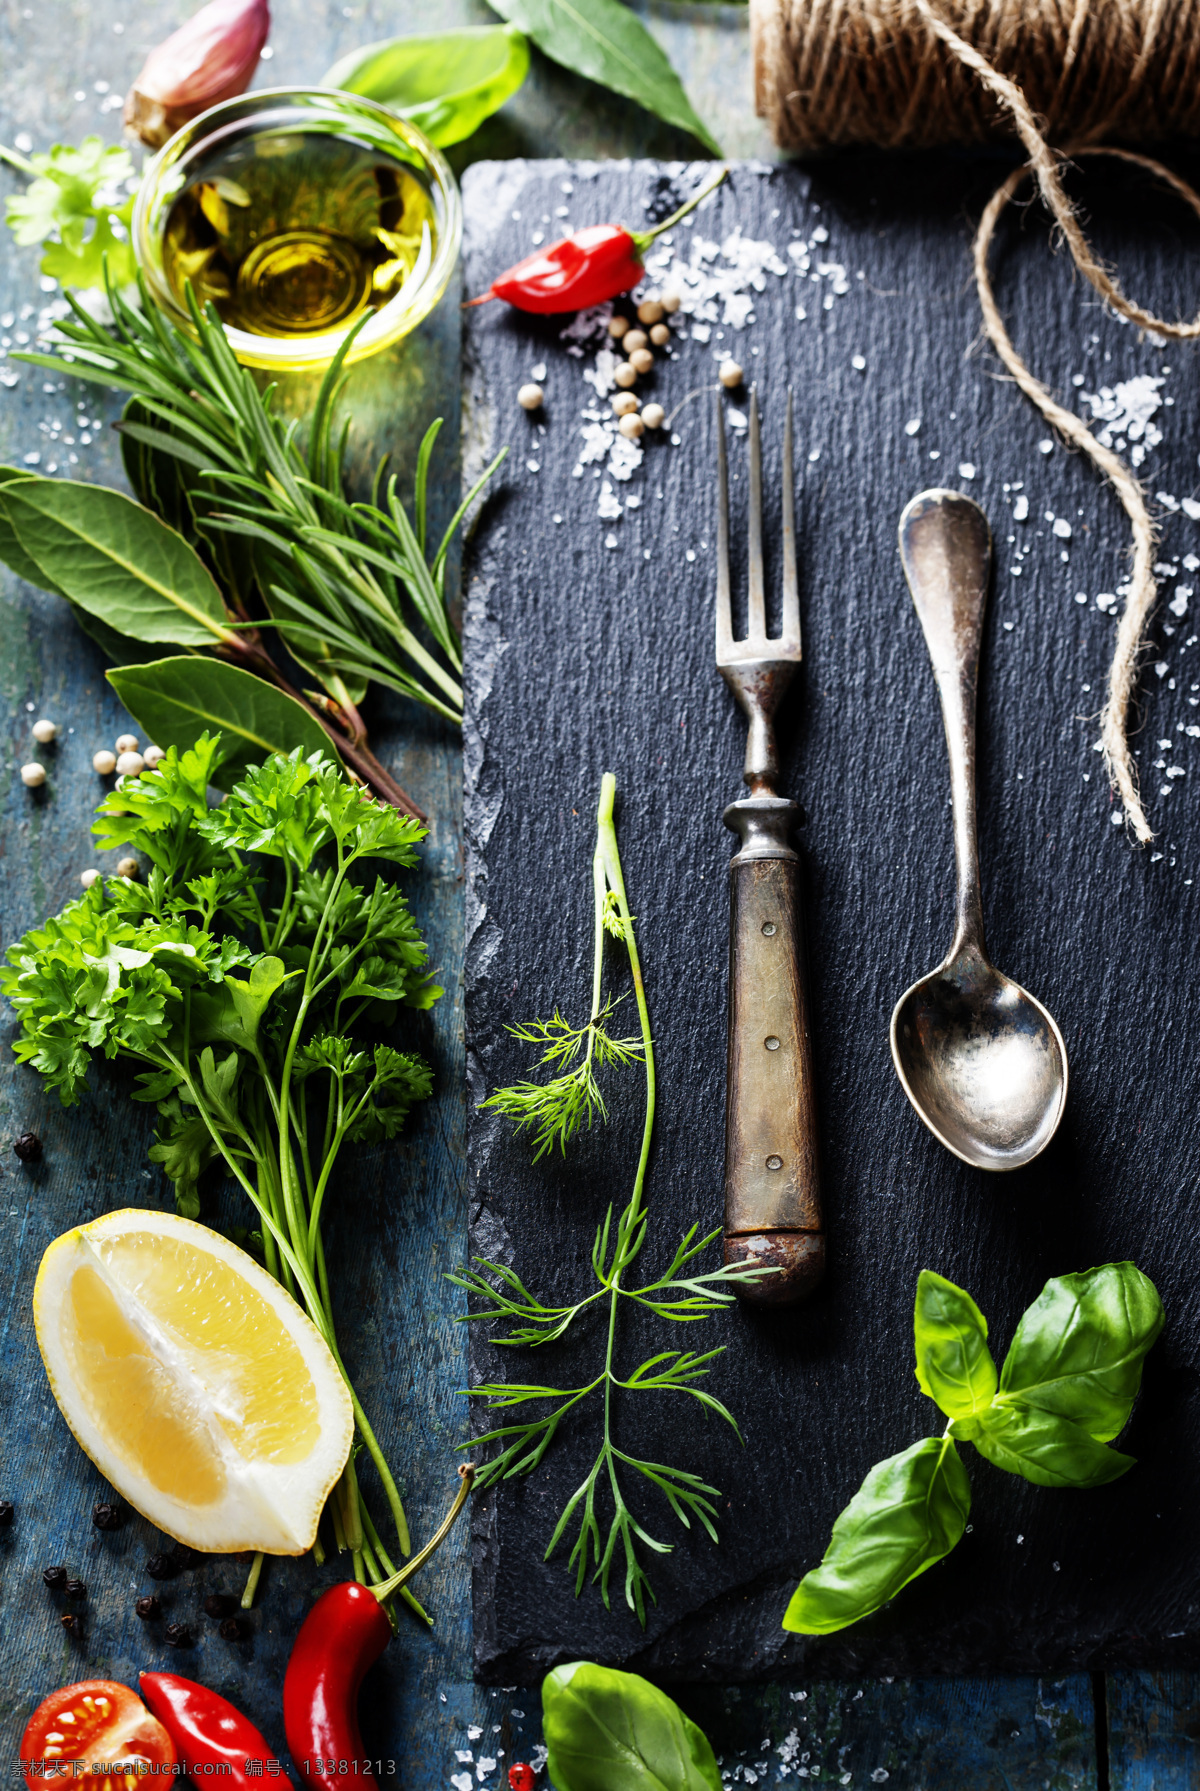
{"x":756,"y":611}
{"x":724,"y":602}
{"x":791,"y":587}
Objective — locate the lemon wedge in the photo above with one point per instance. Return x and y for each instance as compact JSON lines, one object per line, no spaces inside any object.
{"x":193,"y":1381}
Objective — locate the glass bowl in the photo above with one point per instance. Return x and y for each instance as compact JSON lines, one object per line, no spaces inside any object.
{"x":294,"y":211}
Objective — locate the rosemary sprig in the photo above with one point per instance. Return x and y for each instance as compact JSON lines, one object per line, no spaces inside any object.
{"x":350,"y":586}
{"x":553,"y":1111}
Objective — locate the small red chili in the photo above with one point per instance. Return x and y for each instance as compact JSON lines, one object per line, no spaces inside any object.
{"x":208,"y":1731}
{"x":345,"y":1633}
{"x":584,"y":269}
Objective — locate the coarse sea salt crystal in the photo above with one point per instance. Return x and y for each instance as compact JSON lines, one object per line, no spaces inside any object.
{"x":1020,"y":509}
{"x":609,"y":508}
{"x":966,"y":469}
{"x":912,"y":427}
{"x":610,"y":540}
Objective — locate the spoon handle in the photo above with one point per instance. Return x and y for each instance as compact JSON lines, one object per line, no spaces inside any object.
{"x":946,"y":550}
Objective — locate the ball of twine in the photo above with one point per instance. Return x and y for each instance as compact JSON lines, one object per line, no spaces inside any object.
{"x":919,"y":74}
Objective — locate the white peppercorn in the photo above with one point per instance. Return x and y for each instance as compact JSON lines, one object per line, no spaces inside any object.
{"x":127,"y":743}
{"x":641,"y":360}
{"x":130,"y":764}
{"x":153,"y":755}
{"x":650,"y":310}
{"x":631,"y":426}
{"x":660,"y":335}
{"x":729,"y":374}
{"x":624,"y":374}
{"x":654,"y":416}
{"x":617,"y":326}
{"x":624,"y":402}
{"x":33,"y":775}
{"x":45,"y":731}
{"x":128,"y":867}
{"x":530,"y":397}
{"x":104,"y":762}
{"x":90,"y":876}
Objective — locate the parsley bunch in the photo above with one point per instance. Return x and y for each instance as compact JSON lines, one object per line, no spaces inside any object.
{"x":239,"y":978}
{"x":80,"y":202}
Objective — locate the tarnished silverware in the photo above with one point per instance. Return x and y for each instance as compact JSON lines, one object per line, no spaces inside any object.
{"x":982,"y":1062}
{"x":772,"y":1199}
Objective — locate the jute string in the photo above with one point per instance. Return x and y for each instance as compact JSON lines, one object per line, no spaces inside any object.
{"x":912,"y":73}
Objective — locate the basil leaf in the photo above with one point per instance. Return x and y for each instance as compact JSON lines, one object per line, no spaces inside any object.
{"x":954,"y":1364}
{"x":1078,"y":1350}
{"x":1044,"y":1448}
{"x":608,"y":43}
{"x":907,"y":1515}
{"x":610,"y":1731}
{"x":116,"y":560}
{"x":173,"y":700}
{"x":446,"y":83}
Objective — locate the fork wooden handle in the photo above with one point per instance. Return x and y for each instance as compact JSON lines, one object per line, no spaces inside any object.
{"x":772,"y":1190}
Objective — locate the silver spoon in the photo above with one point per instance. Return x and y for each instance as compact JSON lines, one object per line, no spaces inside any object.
{"x":982,"y":1062}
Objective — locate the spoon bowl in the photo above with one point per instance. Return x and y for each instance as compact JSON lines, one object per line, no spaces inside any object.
{"x":982,"y":1062}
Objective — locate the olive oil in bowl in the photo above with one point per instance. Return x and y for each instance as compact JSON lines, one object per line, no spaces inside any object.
{"x":294,"y":214}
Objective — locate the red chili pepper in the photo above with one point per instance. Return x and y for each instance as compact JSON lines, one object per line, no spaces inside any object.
{"x":585,"y":269}
{"x":208,"y":1731}
{"x":345,"y":1633}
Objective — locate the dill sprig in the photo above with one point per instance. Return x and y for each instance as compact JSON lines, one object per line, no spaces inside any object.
{"x":553,"y":1111}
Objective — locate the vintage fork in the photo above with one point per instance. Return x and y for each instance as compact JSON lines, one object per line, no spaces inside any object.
{"x":772,"y":1197}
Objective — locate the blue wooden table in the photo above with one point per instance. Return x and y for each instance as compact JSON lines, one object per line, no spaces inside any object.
{"x":64,"y":65}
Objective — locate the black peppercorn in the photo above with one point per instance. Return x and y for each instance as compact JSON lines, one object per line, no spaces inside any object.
{"x":6,"y":1514}
{"x":106,"y":1516}
{"x":55,"y":1577}
{"x":161,"y":1567}
{"x":28,"y":1147}
{"x":183,"y":1556}
{"x":177,"y":1635}
{"x":75,"y":1589}
{"x":148,"y":1608}
{"x":220,"y":1604}
{"x":232,"y":1630}
{"x":73,"y":1625}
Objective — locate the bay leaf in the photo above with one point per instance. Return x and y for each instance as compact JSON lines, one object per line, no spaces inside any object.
{"x":608,"y":43}
{"x":113,"y":558}
{"x":445,"y":82}
{"x":174,"y":700}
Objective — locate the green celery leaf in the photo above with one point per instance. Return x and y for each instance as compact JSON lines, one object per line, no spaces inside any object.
{"x":173,"y":699}
{"x":1079,"y":1348}
{"x":608,"y":43}
{"x":954,"y":1364}
{"x":907,"y":1515}
{"x":116,"y":560}
{"x":1042,"y":1447}
{"x":446,"y":83}
{"x":611,"y":1731}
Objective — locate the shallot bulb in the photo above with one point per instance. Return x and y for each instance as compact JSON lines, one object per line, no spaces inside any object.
{"x":209,"y":59}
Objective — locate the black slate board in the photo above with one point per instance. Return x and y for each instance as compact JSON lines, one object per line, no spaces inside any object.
{"x":572,"y":672}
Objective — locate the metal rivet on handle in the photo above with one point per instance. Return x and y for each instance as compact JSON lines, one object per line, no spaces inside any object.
{"x":774,"y":1162}
{"x":772,"y":1044}
{"x":769,"y":928}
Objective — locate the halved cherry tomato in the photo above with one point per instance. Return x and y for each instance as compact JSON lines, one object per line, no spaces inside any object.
{"x":97,"y":1721}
